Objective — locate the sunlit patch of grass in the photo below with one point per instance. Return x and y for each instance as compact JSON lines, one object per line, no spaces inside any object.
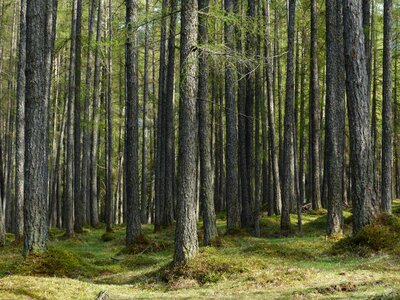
{"x":237,"y":265}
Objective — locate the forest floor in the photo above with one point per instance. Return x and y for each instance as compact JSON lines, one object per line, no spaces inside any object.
{"x":236,"y":266}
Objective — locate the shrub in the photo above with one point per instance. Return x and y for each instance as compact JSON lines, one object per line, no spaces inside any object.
{"x":383,"y":234}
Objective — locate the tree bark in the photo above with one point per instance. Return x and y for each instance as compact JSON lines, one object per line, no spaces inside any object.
{"x":20,"y":128}
{"x":361,"y":156}
{"x":69,"y":182}
{"x":36,"y":133}
{"x":168,"y":213}
{"x":289,"y":195}
{"x":186,"y":244}
{"x":314,"y":112}
{"x":79,"y":205}
{"x":271,"y":125}
{"x":231,"y":154}
{"x":206,"y":179}
{"x":86,"y":170}
{"x":94,"y":214}
{"x":387,"y":147}
{"x":160,"y":143}
{"x":109,"y":185}
{"x":249,"y":109}
{"x":133,"y":227}
{"x":143,"y":202}
{"x":335,"y":116}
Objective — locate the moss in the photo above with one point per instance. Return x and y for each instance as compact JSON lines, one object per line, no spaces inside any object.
{"x":235,"y":266}
{"x":317,"y":212}
{"x":383,"y":234}
{"x":237,"y":232}
{"x":54,"y":262}
{"x":140,"y":261}
{"x":108,"y":236}
{"x":207,"y":267}
{"x":146,"y":245}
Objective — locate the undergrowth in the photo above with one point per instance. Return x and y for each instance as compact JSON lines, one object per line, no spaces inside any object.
{"x":383,"y":234}
{"x":54,"y":262}
{"x":236,"y":265}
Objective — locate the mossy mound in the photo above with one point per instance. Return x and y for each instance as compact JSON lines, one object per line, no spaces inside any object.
{"x":383,"y":234}
{"x":144,"y":245}
{"x":204,"y":268}
{"x":108,"y":236}
{"x":317,"y":212}
{"x":54,"y":262}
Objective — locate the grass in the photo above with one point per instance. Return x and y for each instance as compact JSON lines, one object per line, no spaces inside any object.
{"x":235,"y":266}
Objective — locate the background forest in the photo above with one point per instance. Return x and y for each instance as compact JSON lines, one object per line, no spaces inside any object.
{"x":255,"y":143}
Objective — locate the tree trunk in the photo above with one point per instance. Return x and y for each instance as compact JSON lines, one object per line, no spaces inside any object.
{"x":258,"y":98}
{"x":109,"y":185}
{"x":368,"y":29}
{"x":79,"y":205}
{"x":168,"y":213}
{"x":232,"y":190}
{"x":133,"y":225}
{"x":86,"y":171}
{"x":186,"y":244}
{"x":387,"y":147}
{"x":302,"y":161}
{"x":206,"y":180}
{"x":2,"y":203}
{"x":314,"y":112}
{"x":335,"y":116}
{"x":20,"y":128}
{"x":289,"y":195}
{"x":361,"y":156}
{"x":271,"y":125}
{"x":36,"y":133}
{"x":249,"y":143}
{"x":396,"y":127}
{"x":94,"y":214}
{"x":143,"y":202}
{"x":69,"y":183}
{"x":160,"y":145}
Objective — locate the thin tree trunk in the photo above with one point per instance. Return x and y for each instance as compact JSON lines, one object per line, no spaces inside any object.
{"x":232,"y":190}
{"x":85,"y":182}
{"x":94,"y":214}
{"x":314,"y":112}
{"x":168,"y":213}
{"x":289,"y":195}
{"x":335,"y":116}
{"x":2,"y":203}
{"x":133,"y":227}
{"x":258,"y":97}
{"x":69,"y":184}
{"x":271,"y":125}
{"x":387,"y":147}
{"x":20,"y":128}
{"x":302,"y":161}
{"x":109,"y":186}
{"x":206,"y":180}
{"x":249,"y":84}
{"x":143,"y":203}
{"x":160,"y":153}
{"x":79,"y":205}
